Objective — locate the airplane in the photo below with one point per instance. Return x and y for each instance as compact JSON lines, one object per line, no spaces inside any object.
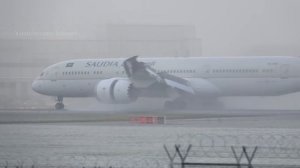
{"x":182,"y":79}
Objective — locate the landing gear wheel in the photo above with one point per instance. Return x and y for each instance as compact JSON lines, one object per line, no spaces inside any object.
{"x":59,"y":106}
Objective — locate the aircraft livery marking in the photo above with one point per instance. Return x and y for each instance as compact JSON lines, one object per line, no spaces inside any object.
{"x":102,"y":64}
{"x":70,"y":64}
{"x":109,"y":64}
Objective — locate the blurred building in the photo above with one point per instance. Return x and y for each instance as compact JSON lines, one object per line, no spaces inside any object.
{"x":152,"y":41}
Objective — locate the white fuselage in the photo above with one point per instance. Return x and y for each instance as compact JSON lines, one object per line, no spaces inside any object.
{"x":227,"y":76}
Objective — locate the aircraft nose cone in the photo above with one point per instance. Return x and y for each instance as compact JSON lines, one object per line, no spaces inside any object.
{"x":36,"y":86}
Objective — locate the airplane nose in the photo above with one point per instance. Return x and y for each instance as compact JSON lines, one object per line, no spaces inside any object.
{"x":36,"y":86}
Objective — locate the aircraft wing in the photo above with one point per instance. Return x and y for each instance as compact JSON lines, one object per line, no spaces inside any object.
{"x":142,"y":75}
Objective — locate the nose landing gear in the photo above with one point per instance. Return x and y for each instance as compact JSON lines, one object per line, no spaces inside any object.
{"x":59,"y":105}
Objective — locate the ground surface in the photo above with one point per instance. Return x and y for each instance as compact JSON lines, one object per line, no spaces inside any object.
{"x":89,"y":138}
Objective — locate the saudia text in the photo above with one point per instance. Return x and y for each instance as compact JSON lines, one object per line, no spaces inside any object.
{"x":109,"y":64}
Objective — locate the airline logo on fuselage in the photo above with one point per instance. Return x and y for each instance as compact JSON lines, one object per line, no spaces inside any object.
{"x":70,"y":64}
{"x":102,"y":64}
{"x":93,"y":64}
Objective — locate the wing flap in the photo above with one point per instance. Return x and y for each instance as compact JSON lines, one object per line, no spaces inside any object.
{"x":143,"y":75}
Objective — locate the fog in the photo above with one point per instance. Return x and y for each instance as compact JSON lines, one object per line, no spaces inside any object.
{"x":35,"y":34}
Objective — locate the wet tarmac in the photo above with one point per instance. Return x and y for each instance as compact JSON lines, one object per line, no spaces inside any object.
{"x":205,"y":118}
{"x":48,"y":138}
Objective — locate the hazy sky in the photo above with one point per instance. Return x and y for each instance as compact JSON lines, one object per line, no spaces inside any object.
{"x":226,"y":27}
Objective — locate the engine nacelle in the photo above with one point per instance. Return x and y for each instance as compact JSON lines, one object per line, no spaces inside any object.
{"x":116,"y":90}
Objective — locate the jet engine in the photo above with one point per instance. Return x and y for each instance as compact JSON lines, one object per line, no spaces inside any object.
{"x":116,"y":90}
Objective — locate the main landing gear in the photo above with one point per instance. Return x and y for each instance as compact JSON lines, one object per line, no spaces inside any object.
{"x":59,"y":105}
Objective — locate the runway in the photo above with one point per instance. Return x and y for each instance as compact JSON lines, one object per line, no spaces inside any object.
{"x":205,"y":118}
{"x":49,"y":138}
